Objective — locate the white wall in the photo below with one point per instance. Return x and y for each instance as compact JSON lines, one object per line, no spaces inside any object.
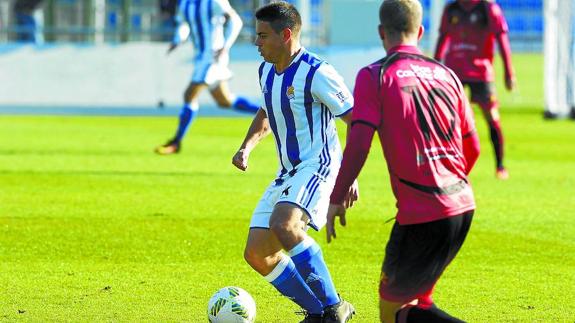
{"x":353,"y":22}
{"x":129,"y":75}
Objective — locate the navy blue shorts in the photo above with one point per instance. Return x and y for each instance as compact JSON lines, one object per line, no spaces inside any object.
{"x":417,"y":254}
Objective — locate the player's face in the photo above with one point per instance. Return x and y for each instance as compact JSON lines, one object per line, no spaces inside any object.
{"x":270,"y":44}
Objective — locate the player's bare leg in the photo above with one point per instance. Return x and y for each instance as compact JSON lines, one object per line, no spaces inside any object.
{"x":414,"y":311}
{"x":226,"y":99}
{"x":263,"y":251}
{"x":222,"y":95}
{"x":388,"y":310}
{"x":193,"y":91}
{"x":186,"y":116}
{"x":289,"y":223}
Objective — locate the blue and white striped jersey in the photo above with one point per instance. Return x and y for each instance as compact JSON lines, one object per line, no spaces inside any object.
{"x":203,"y":21}
{"x":301,"y":103}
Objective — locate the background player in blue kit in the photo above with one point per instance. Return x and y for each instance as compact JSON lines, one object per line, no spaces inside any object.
{"x":214,"y":26}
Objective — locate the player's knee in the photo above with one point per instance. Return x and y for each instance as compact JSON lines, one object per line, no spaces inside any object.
{"x":190,"y":93}
{"x":280,"y":227}
{"x":283,"y":227}
{"x":188,"y":96}
{"x":251,"y":257}
{"x":224,"y":104}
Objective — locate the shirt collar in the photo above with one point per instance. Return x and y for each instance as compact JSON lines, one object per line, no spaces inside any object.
{"x":293,"y":61}
{"x":404,"y":49}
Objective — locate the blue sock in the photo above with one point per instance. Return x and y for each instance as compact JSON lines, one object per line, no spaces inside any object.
{"x":287,"y":281}
{"x":309,"y":262}
{"x":244,"y":105}
{"x":187,"y":115}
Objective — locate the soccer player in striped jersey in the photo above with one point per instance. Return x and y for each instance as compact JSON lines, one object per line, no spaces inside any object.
{"x":427,"y":132}
{"x":303,"y":95}
{"x":469,"y":29}
{"x":214,"y":26}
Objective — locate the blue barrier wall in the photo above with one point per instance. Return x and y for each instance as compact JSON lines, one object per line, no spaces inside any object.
{"x":525,"y":19}
{"x":331,"y":22}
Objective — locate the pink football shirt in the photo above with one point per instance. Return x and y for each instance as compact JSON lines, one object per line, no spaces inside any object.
{"x":421,"y":115}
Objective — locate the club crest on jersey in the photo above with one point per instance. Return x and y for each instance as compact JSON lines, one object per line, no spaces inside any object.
{"x":454,"y":20}
{"x":290,"y":92}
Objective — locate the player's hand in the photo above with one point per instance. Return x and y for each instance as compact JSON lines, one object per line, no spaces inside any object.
{"x":240,"y":159}
{"x":352,"y":195}
{"x":218,"y":53}
{"x":510,"y":83}
{"x":333,"y":211}
{"x":171,"y":48}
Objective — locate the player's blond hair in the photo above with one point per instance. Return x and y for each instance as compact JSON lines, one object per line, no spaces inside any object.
{"x":400,"y":17}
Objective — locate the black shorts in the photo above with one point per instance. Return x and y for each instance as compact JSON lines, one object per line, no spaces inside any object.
{"x":481,"y":92}
{"x":416,"y":255}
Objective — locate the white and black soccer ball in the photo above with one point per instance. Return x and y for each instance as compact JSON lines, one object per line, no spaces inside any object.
{"x":231,"y":305}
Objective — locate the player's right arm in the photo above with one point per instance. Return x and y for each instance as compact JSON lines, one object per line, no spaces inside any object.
{"x":259,"y":129}
{"x":233,"y":23}
{"x":182,"y":31}
{"x":232,"y":26}
{"x":470,"y":138}
{"x":365,"y":121}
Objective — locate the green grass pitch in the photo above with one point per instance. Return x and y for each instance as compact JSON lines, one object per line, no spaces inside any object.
{"x":95,"y":227}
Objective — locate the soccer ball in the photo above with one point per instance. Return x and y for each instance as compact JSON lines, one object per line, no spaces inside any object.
{"x":231,"y":305}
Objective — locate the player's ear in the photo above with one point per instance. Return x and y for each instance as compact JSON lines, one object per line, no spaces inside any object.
{"x":420,"y":32}
{"x":381,"y":32}
{"x":287,"y":34}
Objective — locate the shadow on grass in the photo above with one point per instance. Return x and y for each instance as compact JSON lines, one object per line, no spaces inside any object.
{"x":70,"y":152}
{"x":112,"y":173}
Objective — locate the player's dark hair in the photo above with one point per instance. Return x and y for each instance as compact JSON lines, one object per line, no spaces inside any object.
{"x":280,"y":15}
{"x":400,"y":17}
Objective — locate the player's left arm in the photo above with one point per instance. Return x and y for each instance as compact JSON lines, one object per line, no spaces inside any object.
{"x":500,"y":28}
{"x":233,"y":23}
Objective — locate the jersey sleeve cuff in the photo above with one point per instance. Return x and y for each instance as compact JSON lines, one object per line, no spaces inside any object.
{"x":367,"y":123}
{"x":344,"y":113}
{"x":469,"y":134}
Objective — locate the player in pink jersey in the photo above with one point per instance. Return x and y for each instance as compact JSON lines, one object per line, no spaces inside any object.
{"x":427,"y":132}
{"x":469,"y":29}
